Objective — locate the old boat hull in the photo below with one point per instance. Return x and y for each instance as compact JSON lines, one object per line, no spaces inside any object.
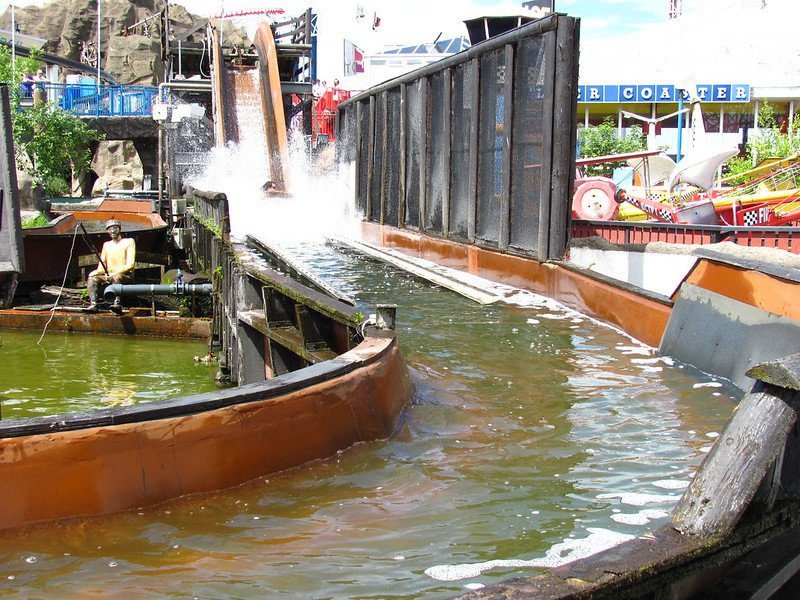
{"x":114,"y":460}
{"x":48,"y":248}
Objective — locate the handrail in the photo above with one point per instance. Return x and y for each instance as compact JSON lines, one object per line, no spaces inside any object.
{"x":84,"y":99}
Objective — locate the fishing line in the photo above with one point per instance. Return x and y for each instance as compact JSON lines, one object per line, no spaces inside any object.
{"x":63,"y":283}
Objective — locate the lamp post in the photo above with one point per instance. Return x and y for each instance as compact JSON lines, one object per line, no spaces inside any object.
{"x":98,"y":48}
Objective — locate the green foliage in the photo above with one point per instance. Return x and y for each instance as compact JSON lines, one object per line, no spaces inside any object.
{"x":39,"y":220}
{"x":602,"y":140}
{"x":56,"y":187}
{"x":765,"y":142}
{"x":22,"y":64}
{"x":768,"y":141}
{"x":358,"y":317}
{"x":209,"y":224}
{"x":57,"y":144}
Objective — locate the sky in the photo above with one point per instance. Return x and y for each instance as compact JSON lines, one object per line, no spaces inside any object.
{"x":415,"y":21}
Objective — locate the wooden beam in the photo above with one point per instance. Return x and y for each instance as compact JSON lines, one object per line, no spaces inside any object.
{"x":732,"y":472}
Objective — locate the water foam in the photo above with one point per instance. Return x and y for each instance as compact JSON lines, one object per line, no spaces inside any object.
{"x":568,"y":550}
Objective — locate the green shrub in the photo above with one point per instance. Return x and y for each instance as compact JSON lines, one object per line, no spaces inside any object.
{"x":39,"y":220}
{"x":56,"y":187}
{"x":602,"y":140}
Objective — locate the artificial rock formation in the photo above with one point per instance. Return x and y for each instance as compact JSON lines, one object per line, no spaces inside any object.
{"x":118,"y":167}
{"x":134,"y":59}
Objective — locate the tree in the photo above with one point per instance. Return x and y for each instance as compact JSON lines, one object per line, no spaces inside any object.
{"x":55,"y":142}
{"x":12,"y":74}
{"x":602,"y":140}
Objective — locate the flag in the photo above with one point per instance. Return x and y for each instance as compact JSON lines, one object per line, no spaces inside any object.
{"x":376,"y":21}
{"x":353,"y":58}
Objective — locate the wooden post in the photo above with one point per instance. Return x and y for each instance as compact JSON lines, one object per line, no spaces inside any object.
{"x":564,"y":137}
{"x":753,"y":457}
{"x":474,"y":120}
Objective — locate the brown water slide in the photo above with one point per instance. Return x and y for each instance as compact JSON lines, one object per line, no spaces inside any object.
{"x":248,"y":98}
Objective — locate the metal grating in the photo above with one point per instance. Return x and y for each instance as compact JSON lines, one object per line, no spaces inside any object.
{"x":528,"y":147}
{"x":490,"y":146}
{"x":378,"y":162}
{"x":464,"y":79}
{"x":437,"y":176}
{"x":364,"y":160}
{"x":415,"y":148}
{"x":393,"y":170}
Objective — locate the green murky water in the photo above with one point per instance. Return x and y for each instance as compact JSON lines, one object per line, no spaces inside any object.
{"x":535,"y":434}
{"x":75,"y":372}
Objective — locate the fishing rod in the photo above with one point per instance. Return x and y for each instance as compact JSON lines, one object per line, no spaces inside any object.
{"x":85,"y":237}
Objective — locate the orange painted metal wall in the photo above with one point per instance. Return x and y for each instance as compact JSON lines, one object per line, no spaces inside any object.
{"x":103,"y":470}
{"x":772,"y":294}
{"x":642,"y":317}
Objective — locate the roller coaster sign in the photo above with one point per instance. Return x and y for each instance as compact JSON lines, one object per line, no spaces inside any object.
{"x":725,"y":92}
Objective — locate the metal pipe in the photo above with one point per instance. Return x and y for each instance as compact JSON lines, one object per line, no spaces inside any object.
{"x":116,"y":290}
{"x":183,"y":85}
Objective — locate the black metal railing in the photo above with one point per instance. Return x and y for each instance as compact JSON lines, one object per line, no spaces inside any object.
{"x":638,"y":232}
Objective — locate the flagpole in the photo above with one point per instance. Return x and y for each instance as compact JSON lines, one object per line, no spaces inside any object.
{"x":13,"y":44}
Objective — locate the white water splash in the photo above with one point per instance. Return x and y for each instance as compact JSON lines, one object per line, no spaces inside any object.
{"x":643,"y":517}
{"x":562,"y":553}
{"x":671,"y":484}
{"x":636,"y":499}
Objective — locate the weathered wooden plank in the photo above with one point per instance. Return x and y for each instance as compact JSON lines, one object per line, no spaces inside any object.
{"x":731,"y":473}
{"x":784,"y":372}
{"x":309,"y":330}
{"x":288,"y":338}
{"x":251,"y":364}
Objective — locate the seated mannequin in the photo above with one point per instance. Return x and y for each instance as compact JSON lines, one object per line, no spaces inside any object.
{"x":118,"y":256}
